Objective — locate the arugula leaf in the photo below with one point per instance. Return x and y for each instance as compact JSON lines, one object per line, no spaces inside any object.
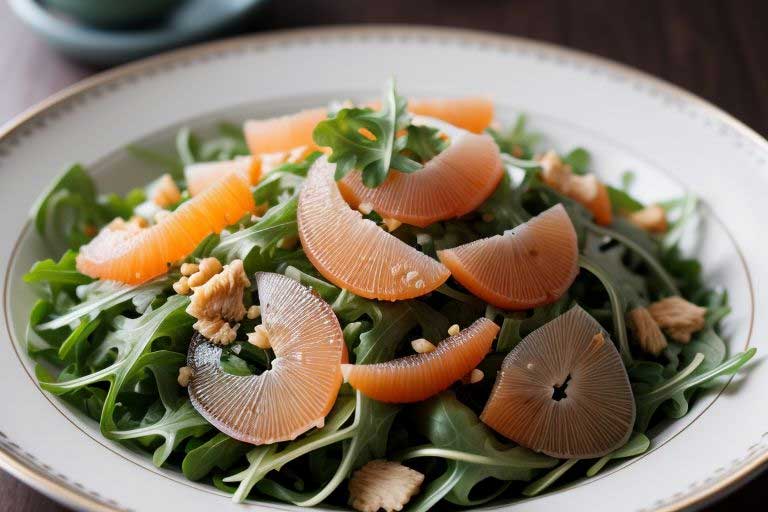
{"x":353,"y":150}
{"x":56,"y":276}
{"x":104,"y":295}
{"x":637,"y":444}
{"x":516,"y":141}
{"x":649,"y":398}
{"x":578,"y":159}
{"x":457,"y":435}
{"x":221,"y":451}
{"x":425,"y":142}
{"x":179,"y":421}
{"x":550,"y":478}
{"x":255,"y":245}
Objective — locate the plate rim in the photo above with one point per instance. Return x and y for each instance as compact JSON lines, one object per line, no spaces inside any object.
{"x":44,"y":483}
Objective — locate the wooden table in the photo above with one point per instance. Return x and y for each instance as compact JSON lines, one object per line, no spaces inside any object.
{"x":716,"y":49}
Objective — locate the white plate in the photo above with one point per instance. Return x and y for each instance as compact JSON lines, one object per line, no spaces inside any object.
{"x":673,"y":141}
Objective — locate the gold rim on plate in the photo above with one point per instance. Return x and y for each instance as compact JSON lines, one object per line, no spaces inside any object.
{"x":63,"y":492}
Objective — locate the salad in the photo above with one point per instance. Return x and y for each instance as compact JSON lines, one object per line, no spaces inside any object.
{"x":396,"y":304}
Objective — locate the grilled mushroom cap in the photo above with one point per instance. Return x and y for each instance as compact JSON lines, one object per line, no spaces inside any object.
{"x":564,"y":391}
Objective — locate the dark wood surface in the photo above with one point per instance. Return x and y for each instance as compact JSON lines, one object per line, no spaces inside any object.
{"x":716,"y":49}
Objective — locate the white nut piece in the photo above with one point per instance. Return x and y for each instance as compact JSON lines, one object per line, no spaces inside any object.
{"x":422,"y":346}
{"x":678,"y":317}
{"x":382,"y":484}
{"x":259,"y":337}
{"x":646,"y":331}
{"x":185,"y":375}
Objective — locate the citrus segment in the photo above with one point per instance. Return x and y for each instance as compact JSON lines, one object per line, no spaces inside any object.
{"x":453,"y":183}
{"x":472,"y":113}
{"x":201,"y":175}
{"x":528,"y":266}
{"x":137,"y":254}
{"x":564,"y":391}
{"x":282,"y":133}
{"x":299,"y":389}
{"x":418,"y":377}
{"x":354,"y":253}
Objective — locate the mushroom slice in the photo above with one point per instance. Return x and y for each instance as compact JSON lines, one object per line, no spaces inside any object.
{"x":564,"y":391}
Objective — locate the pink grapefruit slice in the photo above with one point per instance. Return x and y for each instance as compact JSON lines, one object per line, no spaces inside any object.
{"x":528,"y":266}
{"x":452,"y":184}
{"x":420,"y":376}
{"x":301,"y":386}
{"x":354,"y":253}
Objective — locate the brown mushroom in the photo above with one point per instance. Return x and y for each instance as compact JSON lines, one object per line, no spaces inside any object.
{"x":564,"y":391}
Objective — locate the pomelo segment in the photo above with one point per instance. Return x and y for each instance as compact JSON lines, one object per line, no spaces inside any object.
{"x":564,"y":391}
{"x":201,"y":175}
{"x":418,"y":377}
{"x":283,"y":133}
{"x":528,"y":266}
{"x":354,"y":253}
{"x":472,"y":113}
{"x":452,"y":184}
{"x":136,"y":255}
{"x":301,"y":387}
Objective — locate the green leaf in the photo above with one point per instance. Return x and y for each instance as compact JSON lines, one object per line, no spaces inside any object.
{"x":578,"y":159}
{"x":221,"y":451}
{"x":456,"y":434}
{"x":550,"y":478}
{"x":637,"y":444}
{"x":622,"y":202}
{"x":674,"y":388}
{"x":56,"y":276}
{"x":131,"y":340}
{"x":425,"y":142}
{"x":256,"y":244}
{"x":353,"y":151}
{"x":516,"y":141}
{"x":187,"y":146}
{"x":106,"y":295}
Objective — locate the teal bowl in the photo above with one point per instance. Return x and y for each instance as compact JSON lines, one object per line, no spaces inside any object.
{"x":114,"y":13}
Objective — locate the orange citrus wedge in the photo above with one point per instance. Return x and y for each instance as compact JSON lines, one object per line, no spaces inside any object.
{"x":301,"y":386}
{"x":453,"y":183}
{"x":354,"y":253}
{"x":420,"y":376}
{"x":528,"y":266}
{"x":472,"y":113}
{"x":283,"y":133}
{"x":135,"y":255}
{"x":201,"y":175}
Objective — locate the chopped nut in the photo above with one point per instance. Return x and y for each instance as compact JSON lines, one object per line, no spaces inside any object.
{"x":678,"y":317}
{"x":182,"y":286}
{"x":454,"y":330}
{"x":187,"y":269}
{"x":422,"y":346}
{"x":473,"y":377}
{"x":207,"y":268}
{"x":423,"y":239}
{"x":553,"y":171}
{"x":583,"y":189}
{"x":253,"y":313}
{"x":365,"y":208}
{"x":392,"y":224}
{"x":219,"y":301}
{"x":165,"y":192}
{"x":381,"y":484}
{"x":411,"y":276}
{"x":185,"y":375}
{"x":646,"y":331}
{"x":259,"y":337}
{"x":652,"y":218}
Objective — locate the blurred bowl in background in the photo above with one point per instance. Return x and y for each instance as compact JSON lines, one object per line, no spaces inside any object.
{"x":115,"y":14}
{"x":179,"y":22}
